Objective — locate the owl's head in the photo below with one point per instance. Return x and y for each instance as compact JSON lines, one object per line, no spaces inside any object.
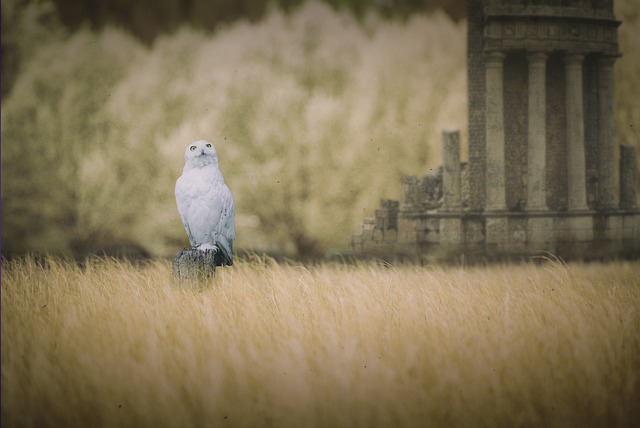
{"x":200,"y":153}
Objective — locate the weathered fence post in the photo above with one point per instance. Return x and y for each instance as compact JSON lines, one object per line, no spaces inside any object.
{"x":194,"y":265}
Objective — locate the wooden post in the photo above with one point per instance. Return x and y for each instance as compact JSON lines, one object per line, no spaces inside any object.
{"x":194,"y":265}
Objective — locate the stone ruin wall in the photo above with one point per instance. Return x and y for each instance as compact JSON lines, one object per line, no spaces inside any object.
{"x":431,"y":225}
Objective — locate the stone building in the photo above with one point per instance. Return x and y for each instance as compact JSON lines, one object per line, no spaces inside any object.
{"x":541,"y":175}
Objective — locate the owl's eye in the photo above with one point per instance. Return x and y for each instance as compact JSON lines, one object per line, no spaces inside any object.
{"x":192,"y":148}
{"x":209,"y":145}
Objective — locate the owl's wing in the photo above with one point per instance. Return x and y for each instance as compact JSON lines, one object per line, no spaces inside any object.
{"x":184,"y":201}
{"x":224,"y":230}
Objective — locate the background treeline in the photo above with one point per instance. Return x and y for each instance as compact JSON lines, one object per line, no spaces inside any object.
{"x":148,"y":19}
{"x":316,"y":112}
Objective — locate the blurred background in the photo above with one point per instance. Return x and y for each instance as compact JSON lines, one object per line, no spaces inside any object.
{"x":317,"y":110}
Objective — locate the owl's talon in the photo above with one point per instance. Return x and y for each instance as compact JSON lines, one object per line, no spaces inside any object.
{"x":207,"y":247}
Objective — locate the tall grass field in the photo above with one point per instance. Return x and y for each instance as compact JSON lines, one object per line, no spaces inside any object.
{"x":111,"y":344}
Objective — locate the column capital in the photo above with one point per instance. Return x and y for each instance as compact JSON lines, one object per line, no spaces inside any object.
{"x":537,"y":56}
{"x":494,"y":57}
{"x":607,"y":60}
{"x":573,"y":58}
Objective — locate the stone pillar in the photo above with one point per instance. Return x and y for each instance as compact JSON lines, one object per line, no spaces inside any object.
{"x":495,"y":172}
{"x":476,"y":87}
{"x":606,"y":131}
{"x":451,"y":171}
{"x":537,"y":138}
{"x":411,"y":197}
{"x":576,"y":166}
{"x":628,"y":177}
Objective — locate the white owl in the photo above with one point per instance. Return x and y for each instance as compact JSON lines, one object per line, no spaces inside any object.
{"x":205,"y":203}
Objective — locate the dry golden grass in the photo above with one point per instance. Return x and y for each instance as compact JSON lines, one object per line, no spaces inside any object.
{"x":111,"y":344}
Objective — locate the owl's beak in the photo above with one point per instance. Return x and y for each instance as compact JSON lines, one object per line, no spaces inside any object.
{"x":201,"y":152}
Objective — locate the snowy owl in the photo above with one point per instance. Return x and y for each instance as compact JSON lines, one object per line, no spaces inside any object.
{"x":205,"y":202}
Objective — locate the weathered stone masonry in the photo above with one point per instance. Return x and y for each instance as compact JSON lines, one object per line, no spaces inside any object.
{"x":541,"y":174}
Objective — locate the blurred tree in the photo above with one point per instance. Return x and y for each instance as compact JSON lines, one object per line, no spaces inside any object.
{"x":51,"y":122}
{"x":208,"y":15}
{"x":26,"y":26}
{"x":147,"y":19}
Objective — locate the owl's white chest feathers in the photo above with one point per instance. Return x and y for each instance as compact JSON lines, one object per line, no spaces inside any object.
{"x":202,"y":196}
{"x":198,"y":190}
{"x":198,"y":182}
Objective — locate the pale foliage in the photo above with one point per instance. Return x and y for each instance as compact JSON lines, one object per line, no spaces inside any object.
{"x":315,"y":117}
{"x":53,"y":128}
{"x":109,"y":344}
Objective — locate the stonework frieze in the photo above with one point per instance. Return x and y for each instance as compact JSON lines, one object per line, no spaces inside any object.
{"x":552,"y":34}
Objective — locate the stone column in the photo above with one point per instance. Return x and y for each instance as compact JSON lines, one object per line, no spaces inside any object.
{"x":628,"y":177}
{"x":451,"y":171}
{"x":495,"y":177}
{"x":539,"y":229}
{"x":576,"y":168}
{"x":410,"y":183}
{"x":537,"y":138}
{"x":606,"y":182}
